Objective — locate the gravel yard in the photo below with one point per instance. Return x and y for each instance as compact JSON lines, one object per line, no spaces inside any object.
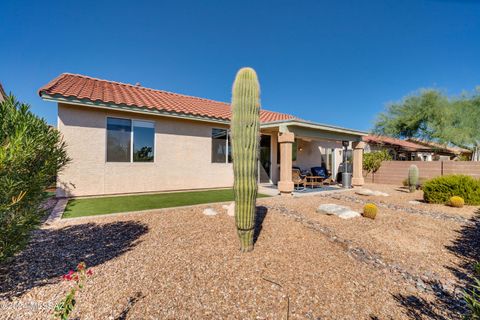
{"x":180,"y":264}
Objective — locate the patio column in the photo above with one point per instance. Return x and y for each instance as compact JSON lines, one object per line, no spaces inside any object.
{"x":357,"y":178}
{"x":285,"y":185}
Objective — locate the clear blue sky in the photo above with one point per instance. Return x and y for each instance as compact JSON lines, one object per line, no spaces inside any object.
{"x":336,"y":62}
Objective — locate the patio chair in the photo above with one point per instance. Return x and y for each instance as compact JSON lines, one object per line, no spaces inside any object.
{"x":321,"y":172}
{"x":299,"y":180}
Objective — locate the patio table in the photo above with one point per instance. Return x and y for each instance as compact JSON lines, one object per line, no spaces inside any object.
{"x":314,"y":181}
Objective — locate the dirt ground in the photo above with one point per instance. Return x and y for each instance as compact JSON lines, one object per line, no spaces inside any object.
{"x":181,"y":264}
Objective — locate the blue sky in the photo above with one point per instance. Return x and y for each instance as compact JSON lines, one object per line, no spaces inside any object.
{"x":336,"y":62}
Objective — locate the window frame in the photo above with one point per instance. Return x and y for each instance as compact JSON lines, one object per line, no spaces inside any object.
{"x":132,"y":120}
{"x":227,"y":147}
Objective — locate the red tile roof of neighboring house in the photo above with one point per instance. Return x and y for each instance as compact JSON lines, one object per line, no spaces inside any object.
{"x":97,"y":90}
{"x":383,"y":140}
{"x":442,"y":147}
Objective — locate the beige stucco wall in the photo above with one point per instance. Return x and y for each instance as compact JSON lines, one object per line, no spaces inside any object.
{"x":182,"y":156}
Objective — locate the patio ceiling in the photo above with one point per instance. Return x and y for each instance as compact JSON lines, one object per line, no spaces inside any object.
{"x":314,"y":130}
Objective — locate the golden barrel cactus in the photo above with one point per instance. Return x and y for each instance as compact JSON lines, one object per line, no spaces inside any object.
{"x":457,"y":202}
{"x":370,"y":210}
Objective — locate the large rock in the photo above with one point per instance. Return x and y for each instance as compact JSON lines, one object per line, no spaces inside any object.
{"x":230,"y":209}
{"x":210,"y":212}
{"x":368,"y":192}
{"x":337,"y":210}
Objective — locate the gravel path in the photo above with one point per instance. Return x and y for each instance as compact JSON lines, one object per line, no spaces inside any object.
{"x":182,"y":264}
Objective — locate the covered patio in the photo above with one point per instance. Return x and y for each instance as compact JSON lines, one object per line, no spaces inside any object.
{"x":302,"y":144}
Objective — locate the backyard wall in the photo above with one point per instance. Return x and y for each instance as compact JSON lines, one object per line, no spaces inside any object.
{"x":394,"y":172}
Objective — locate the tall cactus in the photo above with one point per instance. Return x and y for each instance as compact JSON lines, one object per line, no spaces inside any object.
{"x":245,"y":131}
{"x":413,"y":178}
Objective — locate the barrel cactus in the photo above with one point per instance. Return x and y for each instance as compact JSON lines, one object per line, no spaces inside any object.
{"x":370,"y":210}
{"x":457,"y":202}
{"x":245,"y":132}
{"x":412,"y":178}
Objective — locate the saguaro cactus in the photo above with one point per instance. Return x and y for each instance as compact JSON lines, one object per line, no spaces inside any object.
{"x":245,"y":132}
{"x":413,"y":178}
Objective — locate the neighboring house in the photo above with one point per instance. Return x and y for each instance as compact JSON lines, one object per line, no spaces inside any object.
{"x":398,"y":149}
{"x":3,"y":95}
{"x":125,"y":138}
{"x":414,"y":149}
{"x":444,"y":152}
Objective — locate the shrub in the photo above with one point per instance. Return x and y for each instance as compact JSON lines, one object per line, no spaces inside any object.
{"x":441,"y":189}
{"x":31,"y":154}
{"x":372,"y":161}
{"x":472,"y":295}
{"x":457,"y":202}
{"x":370,"y":210}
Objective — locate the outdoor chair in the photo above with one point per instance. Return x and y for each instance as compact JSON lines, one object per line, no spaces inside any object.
{"x":321,"y":172}
{"x":299,"y":180}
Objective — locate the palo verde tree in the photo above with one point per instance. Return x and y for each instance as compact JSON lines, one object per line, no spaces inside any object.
{"x":245,"y":131}
{"x":431,"y":115}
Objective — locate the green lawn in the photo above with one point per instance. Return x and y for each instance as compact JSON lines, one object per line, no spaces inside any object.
{"x":105,"y":205}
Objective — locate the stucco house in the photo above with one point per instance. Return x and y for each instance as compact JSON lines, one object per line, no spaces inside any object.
{"x":126,"y":138}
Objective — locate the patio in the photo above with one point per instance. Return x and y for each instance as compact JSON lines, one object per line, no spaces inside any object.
{"x":300,"y":144}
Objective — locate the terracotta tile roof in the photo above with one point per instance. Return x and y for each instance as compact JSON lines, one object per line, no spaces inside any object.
{"x":97,"y":90}
{"x":383,"y":140}
{"x":442,"y":147}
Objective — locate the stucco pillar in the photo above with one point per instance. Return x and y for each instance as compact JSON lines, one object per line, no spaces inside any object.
{"x":285,"y":185}
{"x":357,"y":178}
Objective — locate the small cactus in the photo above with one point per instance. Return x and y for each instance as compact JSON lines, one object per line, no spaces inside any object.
{"x":245,"y":128}
{"x":370,"y":210}
{"x":413,"y":178}
{"x":457,"y":202}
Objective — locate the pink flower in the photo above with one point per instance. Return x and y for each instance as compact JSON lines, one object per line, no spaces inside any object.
{"x":69,"y":275}
{"x":90,"y":272}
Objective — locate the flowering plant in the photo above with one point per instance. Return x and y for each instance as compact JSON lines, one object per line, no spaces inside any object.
{"x":63,"y":309}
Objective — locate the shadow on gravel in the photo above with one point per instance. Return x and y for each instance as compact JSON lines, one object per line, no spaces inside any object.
{"x":52,"y":252}
{"x":259,"y":217}
{"x":131,"y":302}
{"x":448,"y":302}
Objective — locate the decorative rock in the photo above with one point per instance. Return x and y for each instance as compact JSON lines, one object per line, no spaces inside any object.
{"x":368,"y":192}
{"x":230,"y":209}
{"x":337,"y":210}
{"x":210,"y":212}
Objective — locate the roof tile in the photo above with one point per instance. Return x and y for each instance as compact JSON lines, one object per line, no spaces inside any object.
{"x":82,"y":87}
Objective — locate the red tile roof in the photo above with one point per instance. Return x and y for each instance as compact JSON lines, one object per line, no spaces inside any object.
{"x":441,"y":147}
{"x":97,"y":90}
{"x":383,"y":140}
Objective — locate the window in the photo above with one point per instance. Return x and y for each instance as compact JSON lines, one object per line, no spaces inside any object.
{"x":143,"y":139}
{"x":221,"y":150}
{"x":130,"y":140}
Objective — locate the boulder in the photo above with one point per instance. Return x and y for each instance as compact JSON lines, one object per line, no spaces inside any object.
{"x":337,"y":210}
{"x":368,"y":192}
{"x":210,"y":212}
{"x":230,"y":209}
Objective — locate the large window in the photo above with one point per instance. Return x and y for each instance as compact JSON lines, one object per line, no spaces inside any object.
{"x":221,"y":150}
{"x":130,"y":140}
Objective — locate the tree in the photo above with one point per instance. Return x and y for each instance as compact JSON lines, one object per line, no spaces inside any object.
{"x":431,"y":115}
{"x":31,"y":155}
{"x":372,"y":161}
